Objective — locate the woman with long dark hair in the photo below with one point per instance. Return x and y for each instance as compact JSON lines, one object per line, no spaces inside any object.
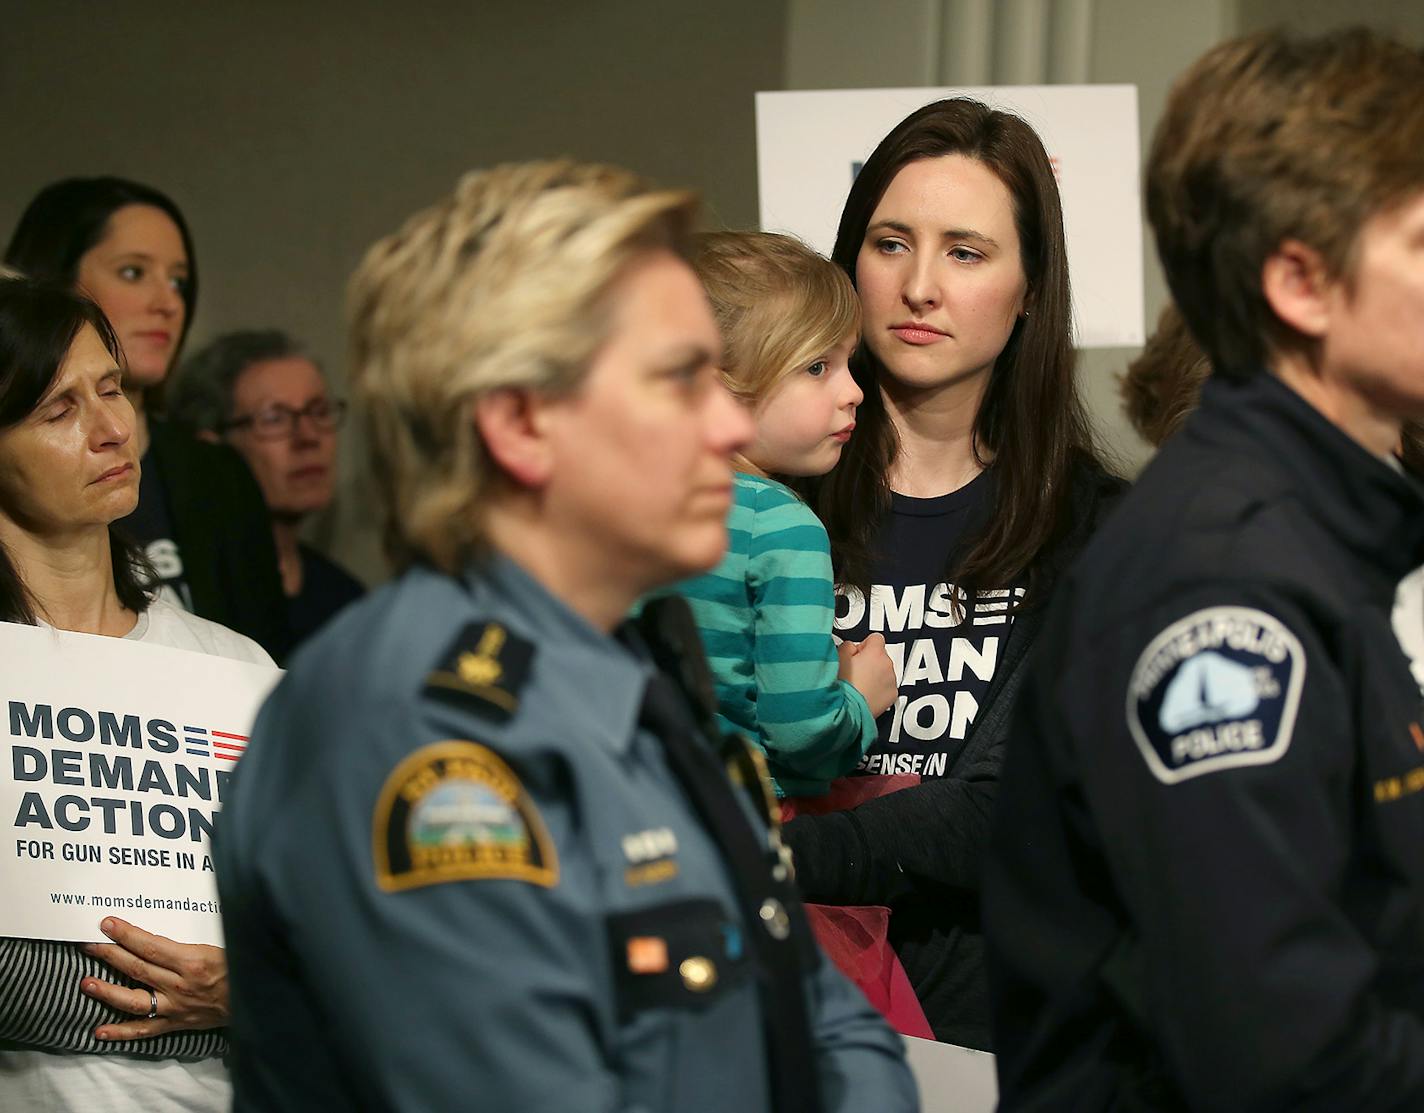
{"x":132,"y":1024}
{"x":969,"y":480}
{"x":200,"y":519}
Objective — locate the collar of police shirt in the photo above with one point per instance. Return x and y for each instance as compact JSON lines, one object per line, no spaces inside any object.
{"x":1376,"y":510}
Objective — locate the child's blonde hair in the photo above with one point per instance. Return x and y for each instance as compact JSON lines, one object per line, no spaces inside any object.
{"x":778,"y":304}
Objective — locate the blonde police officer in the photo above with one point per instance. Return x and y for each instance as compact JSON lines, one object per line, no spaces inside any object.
{"x":481,"y":852}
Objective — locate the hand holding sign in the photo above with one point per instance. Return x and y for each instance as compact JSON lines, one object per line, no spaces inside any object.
{"x":189,"y":982}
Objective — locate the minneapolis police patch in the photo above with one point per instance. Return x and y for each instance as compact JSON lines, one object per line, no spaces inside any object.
{"x":1217,"y":690}
{"x":454,"y":811}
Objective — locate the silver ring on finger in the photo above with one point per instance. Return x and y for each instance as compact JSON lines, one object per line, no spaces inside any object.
{"x":152,"y":1004}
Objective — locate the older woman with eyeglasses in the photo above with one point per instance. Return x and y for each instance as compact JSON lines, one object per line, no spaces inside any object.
{"x":261,"y":393}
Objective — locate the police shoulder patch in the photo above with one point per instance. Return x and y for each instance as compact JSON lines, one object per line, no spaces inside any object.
{"x":1216,"y":690}
{"x":455,"y":811}
{"x":486,"y":665}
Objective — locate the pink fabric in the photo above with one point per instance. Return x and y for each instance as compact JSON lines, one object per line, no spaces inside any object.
{"x":846,"y":792}
{"x":856,"y":937}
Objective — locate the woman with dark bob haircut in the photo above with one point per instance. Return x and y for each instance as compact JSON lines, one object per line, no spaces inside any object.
{"x":131,"y":1024}
{"x":200,"y":518}
{"x":970,"y":480}
{"x":37,"y":328}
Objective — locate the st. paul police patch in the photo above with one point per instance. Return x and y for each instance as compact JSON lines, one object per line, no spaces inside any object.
{"x":1216,"y":690}
{"x":454,"y":811}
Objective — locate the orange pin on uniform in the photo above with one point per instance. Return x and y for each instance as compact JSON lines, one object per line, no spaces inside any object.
{"x":647,"y":954}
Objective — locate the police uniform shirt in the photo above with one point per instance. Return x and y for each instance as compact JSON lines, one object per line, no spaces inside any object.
{"x":457,"y":874}
{"x":1206,"y":886}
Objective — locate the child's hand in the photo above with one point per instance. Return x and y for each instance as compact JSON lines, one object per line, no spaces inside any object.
{"x":866,"y":666}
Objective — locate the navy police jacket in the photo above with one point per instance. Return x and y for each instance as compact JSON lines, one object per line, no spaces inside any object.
{"x":457,"y":872}
{"x":1206,"y":881}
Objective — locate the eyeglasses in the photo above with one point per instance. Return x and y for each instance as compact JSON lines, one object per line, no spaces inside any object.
{"x":277,"y":422}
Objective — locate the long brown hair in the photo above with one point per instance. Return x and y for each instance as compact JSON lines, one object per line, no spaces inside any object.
{"x":1163,"y":385}
{"x":1031,"y":422}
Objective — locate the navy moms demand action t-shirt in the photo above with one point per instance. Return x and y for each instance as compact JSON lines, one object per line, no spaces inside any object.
{"x":944,"y":655}
{"x":151,"y":526}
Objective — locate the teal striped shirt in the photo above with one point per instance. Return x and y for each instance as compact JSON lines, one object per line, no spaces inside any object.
{"x":765,"y":615}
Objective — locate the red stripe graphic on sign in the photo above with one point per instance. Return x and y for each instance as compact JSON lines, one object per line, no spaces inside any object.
{"x":224,"y":734}
{"x":228,"y":751}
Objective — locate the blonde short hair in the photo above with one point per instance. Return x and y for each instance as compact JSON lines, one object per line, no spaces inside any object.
{"x":778,"y":304}
{"x":504,"y":283}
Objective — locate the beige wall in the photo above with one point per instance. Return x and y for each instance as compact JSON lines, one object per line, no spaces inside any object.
{"x":294,"y":132}
{"x":1146,"y":43}
{"x":1404,"y":18}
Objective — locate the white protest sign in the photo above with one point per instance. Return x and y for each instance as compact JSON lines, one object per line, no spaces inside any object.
{"x":811,"y":145}
{"x":117,"y":756}
{"x":952,"y":1079}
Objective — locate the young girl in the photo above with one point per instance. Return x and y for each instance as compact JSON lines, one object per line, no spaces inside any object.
{"x":789,"y":320}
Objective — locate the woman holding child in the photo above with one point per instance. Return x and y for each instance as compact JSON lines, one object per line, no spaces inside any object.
{"x":969,"y":481}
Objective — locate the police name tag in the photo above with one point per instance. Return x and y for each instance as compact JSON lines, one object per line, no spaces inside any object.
{"x":1216,"y":690}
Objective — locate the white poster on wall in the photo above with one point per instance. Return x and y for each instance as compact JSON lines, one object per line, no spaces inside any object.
{"x":811,"y":145}
{"x":118,"y":756}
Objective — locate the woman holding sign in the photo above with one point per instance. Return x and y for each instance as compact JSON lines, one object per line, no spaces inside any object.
{"x":130,"y":1024}
{"x":969,"y":480}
